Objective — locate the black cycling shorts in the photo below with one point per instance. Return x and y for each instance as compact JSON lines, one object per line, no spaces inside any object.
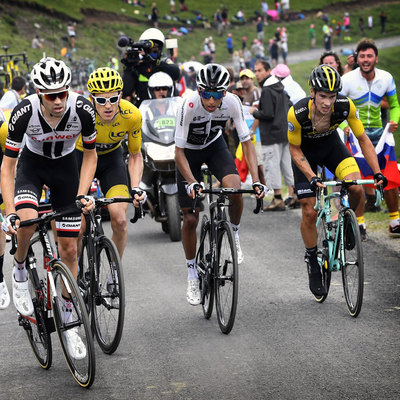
{"x":330,"y":152}
{"x":219,"y":160}
{"x":111,"y":172}
{"x":60,"y":175}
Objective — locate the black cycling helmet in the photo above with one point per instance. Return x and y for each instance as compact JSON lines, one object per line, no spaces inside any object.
{"x":326,"y":79}
{"x":213,"y":78}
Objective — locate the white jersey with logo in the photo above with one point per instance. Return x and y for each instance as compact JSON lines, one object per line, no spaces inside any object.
{"x":196,"y":128}
{"x":27,"y":120}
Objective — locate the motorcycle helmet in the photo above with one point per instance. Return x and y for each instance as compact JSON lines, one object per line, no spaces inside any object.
{"x":105,"y":80}
{"x":50,"y":74}
{"x":213,"y":78}
{"x":157,"y":80}
{"x":157,"y":37}
{"x":326,"y":79}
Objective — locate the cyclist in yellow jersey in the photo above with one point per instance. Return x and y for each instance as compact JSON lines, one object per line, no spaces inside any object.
{"x":116,"y":119}
{"x":313,"y":141}
{"x":4,"y":294}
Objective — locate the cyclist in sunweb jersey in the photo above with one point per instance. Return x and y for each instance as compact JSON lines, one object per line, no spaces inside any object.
{"x":367,"y":86}
{"x":313,"y":141}
{"x":198,"y":137}
{"x":116,"y":119}
{"x":50,"y":120}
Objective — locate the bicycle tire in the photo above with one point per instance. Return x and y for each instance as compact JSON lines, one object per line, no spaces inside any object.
{"x":107,"y":308}
{"x":226,"y":278}
{"x":83,"y":370}
{"x":36,"y":326}
{"x":84,"y":275}
{"x":322,"y":255}
{"x":352,"y":263}
{"x":174,"y":217}
{"x":204,"y":260}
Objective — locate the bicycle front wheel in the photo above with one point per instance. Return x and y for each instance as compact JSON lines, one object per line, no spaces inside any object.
{"x":226,"y":279}
{"x":108,"y":296}
{"x":322,"y":255}
{"x":352,"y":263}
{"x":204,"y":259}
{"x":73,"y":326}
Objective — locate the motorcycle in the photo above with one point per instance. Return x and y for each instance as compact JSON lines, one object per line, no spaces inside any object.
{"x":158,"y":150}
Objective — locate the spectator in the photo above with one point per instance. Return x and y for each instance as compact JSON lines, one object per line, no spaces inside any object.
{"x":272,"y":116}
{"x":285,"y":7}
{"x":264,"y":11}
{"x":182,"y":5}
{"x":211,"y":46}
{"x":284,"y":51}
{"x":244,"y":43}
{"x":229,"y":45}
{"x":240,"y":16}
{"x":327,"y":37}
{"x":172,"y":4}
{"x":206,"y":52}
{"x":332,"y":59}
{"x":274,"y":51}
{"x":370,"y":22}
{"x":346,"y":25}
{"x":260,"y":29}
{"x":383,"y":18}
{"x":278,"y":34}
{"x":311,"y":34}
{"x":72,"y":34}
{"x":13,"y":96}
{"x":154,"y":15}
{"x":224,"y":15}
{"x":219,"y":22}
{"x":236,"y":64}
{"x":338,"y":31}
{"x":36,"y":43}
{"x":361,"y":25}
{"x":247,"y":56}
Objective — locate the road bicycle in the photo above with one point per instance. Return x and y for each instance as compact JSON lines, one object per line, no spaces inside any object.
{"x":216,"y":257}
{"x":339,"y":242}
{"x":101,"y":278}
{"x":48,"y":286}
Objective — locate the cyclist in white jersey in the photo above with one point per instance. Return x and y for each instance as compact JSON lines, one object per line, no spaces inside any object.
{"x":367,"y":86}
{"x":198,"y":137}
{"x":51,"y":121}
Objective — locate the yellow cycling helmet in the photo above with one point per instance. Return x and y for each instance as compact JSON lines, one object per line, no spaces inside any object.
{"x":105,"y":80}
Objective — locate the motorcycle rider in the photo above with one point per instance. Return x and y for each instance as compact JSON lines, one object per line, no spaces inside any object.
{"x":136,"y":76}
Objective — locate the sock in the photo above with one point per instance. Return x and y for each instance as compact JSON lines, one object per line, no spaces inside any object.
{"x":192,"y":271}
{"x":66,"y":313}
{"x":394,"y":218}
{"x":20,"y":272}
{"x":361,"y":220}
{"x":235,"y":229}
{"x":1,"y":268}
{"x":278,"y":196}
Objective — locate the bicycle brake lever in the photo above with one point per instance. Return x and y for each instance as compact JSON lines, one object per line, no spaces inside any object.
{"x":259,"y":206}
{"x":13,"y":245}
{"x":138,"y":213}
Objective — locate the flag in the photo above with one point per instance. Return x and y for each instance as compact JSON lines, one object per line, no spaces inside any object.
{"x":181,"y":86}
{"x":386,"y":158}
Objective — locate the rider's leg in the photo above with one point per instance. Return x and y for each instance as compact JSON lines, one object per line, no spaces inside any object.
{"x":119,"y":226}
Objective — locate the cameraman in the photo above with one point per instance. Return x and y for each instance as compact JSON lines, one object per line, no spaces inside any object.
{"x":142,"y":60}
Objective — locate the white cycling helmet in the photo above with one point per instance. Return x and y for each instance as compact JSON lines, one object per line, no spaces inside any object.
{"x":153,"y":34}
{"x":160,"y":79}
{"x":213,"y":77}
{"x":50,"y":74}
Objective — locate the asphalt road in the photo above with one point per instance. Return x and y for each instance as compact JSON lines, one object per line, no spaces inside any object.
{"x":284,"y":345}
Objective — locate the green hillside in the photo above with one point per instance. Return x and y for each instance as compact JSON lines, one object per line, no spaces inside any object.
{"x":101,"y":22}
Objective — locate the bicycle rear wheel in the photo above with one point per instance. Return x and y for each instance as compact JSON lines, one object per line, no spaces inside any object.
{"x":82,"y":363}
{"x":204,"y":259}
{"x":226,"y":278}
{"x":352,"y":263}
{"x":36,"y":326}
{"x":322,"y":255}
{"x":108,"y":296}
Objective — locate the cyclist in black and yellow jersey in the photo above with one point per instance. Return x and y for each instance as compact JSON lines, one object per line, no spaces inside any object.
{"x":116,"y":119}
{"x":313,"y":141}
{"x":4,"y":294}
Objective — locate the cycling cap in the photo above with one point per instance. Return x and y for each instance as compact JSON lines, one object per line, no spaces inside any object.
{"x":153,"y":34}
{"x":50,"y":74}
{"x":160,"y":79}
{"x":325,"y":78}
{"x":105,"y":80}
{"x":247,"y":72}
{"x":281,"y":71}
{"x":213,"y":77}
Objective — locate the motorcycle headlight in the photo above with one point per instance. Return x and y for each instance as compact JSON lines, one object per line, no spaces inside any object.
{"x":160,"y":153}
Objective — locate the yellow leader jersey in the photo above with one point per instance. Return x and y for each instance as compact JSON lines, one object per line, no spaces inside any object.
{"x":109,"y":135}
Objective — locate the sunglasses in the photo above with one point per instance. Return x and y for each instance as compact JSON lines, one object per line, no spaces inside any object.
{"x":214,"y":95}
{"x":103,"y":100}
{"x":157,"y":89}
{"x":52,"y":96}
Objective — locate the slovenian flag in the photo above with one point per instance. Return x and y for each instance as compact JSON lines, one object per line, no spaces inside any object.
{"x":386,"y":158}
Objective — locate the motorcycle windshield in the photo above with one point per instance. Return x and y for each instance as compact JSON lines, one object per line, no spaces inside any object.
{"x":159,"y":118}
